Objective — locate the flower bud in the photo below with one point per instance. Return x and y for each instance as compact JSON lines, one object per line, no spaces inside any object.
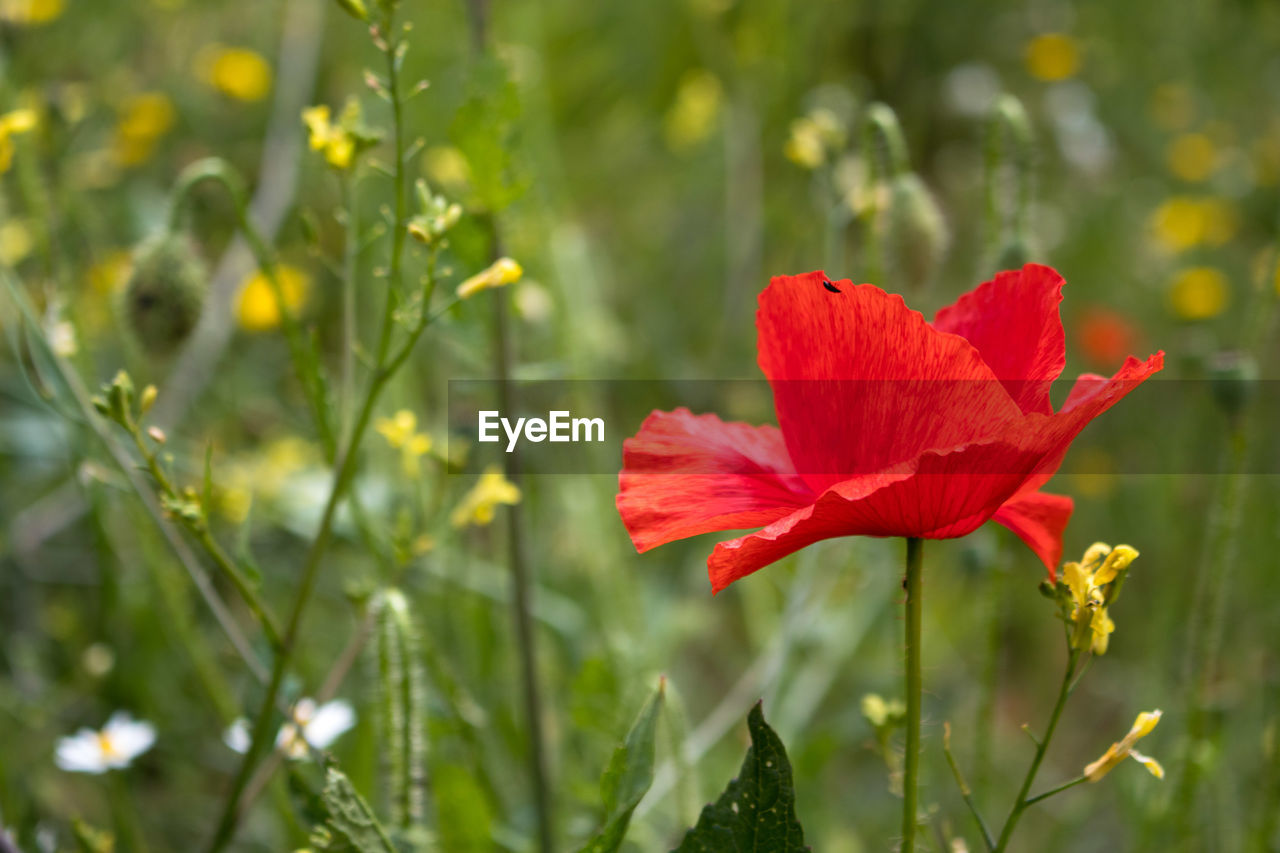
{"x":1233,"y":378}
{"x":501,"y":272}
{"x":917,"y":237}
{"x":147,"y":399}
{"x":165,"y":293}
{"x":119,"y":397}
{"x":355,"y":8}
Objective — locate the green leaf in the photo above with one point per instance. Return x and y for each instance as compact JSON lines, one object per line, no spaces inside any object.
{"x":628,"y":777}
{"x":349,"y":817}
{"x":465,"y":817}
{"x":757,"y":812}
{"x":482,"y":129}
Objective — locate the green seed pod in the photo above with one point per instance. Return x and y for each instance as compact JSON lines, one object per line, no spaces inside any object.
{"x":1012,"y":254}
{"x":355,"y":8}
{"x":165,"y":293}
{"x":916,"y":237}
{"x":402,"y":721}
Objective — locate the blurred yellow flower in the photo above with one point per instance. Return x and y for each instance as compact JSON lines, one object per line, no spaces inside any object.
{"x":235,"y":71}
{"x":501,"y":272}
{"x":401,"y":432}
{"x":1118,"y":752}
{"x":1184,"y":222}
{"x":814,"y":138}
{"x":1199,"y":293}
{"x":16,"y":241}
{"x":447,"y":167}
{"x":144,"y":119}
{"x":477,"y":506}
{"x":1192,"y":157}
{"x":1052,"y":57}
{"x":338,"y":144}
{"x":18,"y":121}
{"x":692,"y":115}
{"x":256,"y":306}
{"x":31,"y":11}
{"x":1173,"y":106}
{"x":111,"y":272}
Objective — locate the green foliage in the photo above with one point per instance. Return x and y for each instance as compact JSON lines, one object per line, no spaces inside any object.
{"x":483,"y":129}
{"x":628,"y":777}
{"x":465,"y":818}
{"x":350,"y":824}
{"x":758,"y":810}
{"x":401,"y":700}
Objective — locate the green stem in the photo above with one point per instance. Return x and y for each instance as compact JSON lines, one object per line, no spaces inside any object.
{"x":1021,"y":802}
{"x":200,"y":530}
{"x":911,"y":758}
{"x":349,"y":323}
{"x":1058,"y":790}
{"x":965,"y":793}
{"x":346,"y":461}
{"x":124,"y":813}
{"x":1009,"y":139}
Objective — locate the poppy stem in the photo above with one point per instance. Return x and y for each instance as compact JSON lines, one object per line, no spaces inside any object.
{"x":911,"y":760}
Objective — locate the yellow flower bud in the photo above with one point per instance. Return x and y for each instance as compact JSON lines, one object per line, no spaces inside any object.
{"x":500,"y":273}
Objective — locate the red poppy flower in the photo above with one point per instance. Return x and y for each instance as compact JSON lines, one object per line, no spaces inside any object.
{"x":887,"y":426}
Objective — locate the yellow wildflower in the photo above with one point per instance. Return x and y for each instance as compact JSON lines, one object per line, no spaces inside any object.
{"x":11,"y":124}
{"x":1118,"y":752}
{"x":337,"y":143}
{"x":31,"y":11}
{"x":256,"y":306}
{"x":1192,"y":157}
{"x":110,"y":274}
{"x":1199,"y":293}
{"x":401,"y":432}
{"x":237,"y":72}
{"x":1052,"y":57}
{"x":501,"y":272}
{"x":1184,"y":222}
{"x":1094,"y":583}
{"x":477,"y":506}
{"x":814,"y":138}
{"x":16,"y":241}
{"x":692,"y":115}
{"x":144,"y":119}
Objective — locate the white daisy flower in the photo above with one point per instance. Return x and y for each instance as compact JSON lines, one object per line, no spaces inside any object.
{"x":120,"y":741}
{"x":318,"y":726}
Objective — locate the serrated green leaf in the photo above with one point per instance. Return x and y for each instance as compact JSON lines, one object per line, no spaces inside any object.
{"x":349,"y":816}
{"x":757,"y":812}
{"x":628,"y":777}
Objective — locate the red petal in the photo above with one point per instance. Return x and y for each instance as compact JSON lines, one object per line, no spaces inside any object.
{"x":1013,"y":322}
{"x":1039,"y":519}
{"x":685,"y":474}
{"x":861,"y":383}
{"x":943,"y":495}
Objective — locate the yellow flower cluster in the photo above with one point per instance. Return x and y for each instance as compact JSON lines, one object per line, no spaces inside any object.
{"x":1094,"y":583}
{"x":337,"y":143}
{"x":401,"y":432}
{"x":1193,"y":157}
{"x":693,"y":114}
{"x":477,"y":506}
{"x":11,"y":124}
{"x":1118,"y":752}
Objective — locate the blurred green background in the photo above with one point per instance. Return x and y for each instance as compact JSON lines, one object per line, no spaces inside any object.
{"x":656,"y":164}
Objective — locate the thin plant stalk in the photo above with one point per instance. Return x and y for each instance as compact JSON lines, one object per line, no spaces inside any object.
{"x":1022,"y":801}
{"x":911,"y":759}
{"x":386,"y":365}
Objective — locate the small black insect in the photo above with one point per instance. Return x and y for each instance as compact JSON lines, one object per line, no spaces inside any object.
{"x":829,"y":286}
